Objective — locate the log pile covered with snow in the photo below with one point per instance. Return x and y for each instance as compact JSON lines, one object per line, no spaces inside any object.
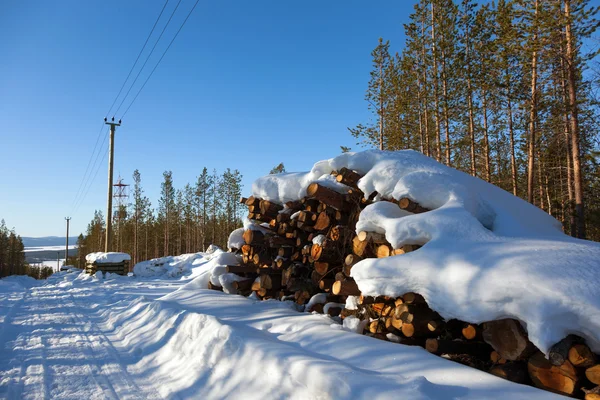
{"x":111,"y":262}
{"x":405,"y":249}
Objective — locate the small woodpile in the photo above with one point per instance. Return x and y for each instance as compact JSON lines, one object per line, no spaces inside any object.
{"x":120,"y":268}
{"x":309,"y":247}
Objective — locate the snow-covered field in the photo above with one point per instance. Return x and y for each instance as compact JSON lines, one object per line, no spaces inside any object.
{"x":76,"y":336}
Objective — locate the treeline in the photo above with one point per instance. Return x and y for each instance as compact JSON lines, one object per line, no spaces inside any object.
{"x":185,"y":220}
{"x":12,"y":256}
{"x":501,"y":90}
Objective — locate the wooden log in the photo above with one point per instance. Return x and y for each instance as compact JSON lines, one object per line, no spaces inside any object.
{"x":253,"y":237}
{"x":508,"y":338}
{"x":275,"y":241}
{"x":243,"y":286}
{"x":252,"y":201}
{"x":328,"y":196}
{"x":377,"y":326}
{"x":347,"y":287}
{"x":362,"y":249}
{"x":373,"y":237}
{"x":393,"y":324}
{"x":269,"y":208}
{"x":240,"y":269}
{"x":308,"y":217}
{"x":327,"y":252}
{"x":283,"y":263}
{"x":214,"y":287}
{"x":443,"y":346}
{"x":560,"y":379}
{"x":593,"y":374}
{"x":333,"y":309}
{"x":325,"y":284}
{"x":419,"y":327}
{"x":383,"y":250}
{"x":364,"y":300}
{"x":243,"y":200}
{"x":321,"y":267}
{"x":348,"y":177}
{"x":261,"y":259}
{"x":340,"y":233}
{"x":496,"y":359}
{"x":471,"y":332}
{"x":269,"y":282}
{"x":283,"y":217}
{"x":409,"y":205}
{"x":323,"y":221}
{"x":285,"y":251}
{"x":351,"y":259}
{"x":294,"y":205}
{"x":592,"y":394}
{"x":580,"y":355}
{"x":317,"y":307}
{"x":413,"y":298}
{"x":513,"y":371}
{"x":559,"y":352}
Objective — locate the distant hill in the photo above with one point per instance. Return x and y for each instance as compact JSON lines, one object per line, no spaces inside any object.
{"x":47,"y":241}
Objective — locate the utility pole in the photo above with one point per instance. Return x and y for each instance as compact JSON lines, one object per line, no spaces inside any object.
{"x":111,"y":154}
{"x":67,"y":245}
{"x":58,"y":260}
{"x":121,"y":195}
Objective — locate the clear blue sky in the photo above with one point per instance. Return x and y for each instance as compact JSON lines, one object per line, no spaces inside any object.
{"x":246,"y":85}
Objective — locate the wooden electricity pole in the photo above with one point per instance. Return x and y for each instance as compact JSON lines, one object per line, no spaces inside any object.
{"x":111,"y":154}
{"x":67,"y":245}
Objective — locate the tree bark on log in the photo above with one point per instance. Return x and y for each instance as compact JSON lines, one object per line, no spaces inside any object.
{"x":508,"y":338}
{"x":328,"y":196}
{"x":347,"y":287}
{"x":559,"y":379}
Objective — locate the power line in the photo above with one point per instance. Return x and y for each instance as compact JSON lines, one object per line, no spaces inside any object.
{"x":148,"y":57}
{"x":87,"y":168}
{"x":161,"y":57}
{"x":138,"y":57}
{"x":96,"y":166}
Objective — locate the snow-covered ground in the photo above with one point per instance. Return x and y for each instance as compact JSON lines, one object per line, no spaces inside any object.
{"x":76,"y":336}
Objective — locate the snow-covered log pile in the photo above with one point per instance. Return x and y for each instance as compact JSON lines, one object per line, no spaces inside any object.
{"x":113,"y":262}
{"x":405,"y":249}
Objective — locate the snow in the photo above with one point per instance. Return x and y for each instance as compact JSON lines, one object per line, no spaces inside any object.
{"x":486,"y":254}
{"x":107,"y":258}
{"x":319,"y":239}
{"x":236,"y":239}
{"x":75,"y":336}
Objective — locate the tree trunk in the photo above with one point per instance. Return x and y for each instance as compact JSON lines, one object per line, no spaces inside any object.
{"x":572,"y":86}
{"x":532,"y":111}
{"x":438,"y":145}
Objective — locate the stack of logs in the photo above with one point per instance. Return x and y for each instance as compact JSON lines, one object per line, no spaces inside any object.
{"x":305,"y":250}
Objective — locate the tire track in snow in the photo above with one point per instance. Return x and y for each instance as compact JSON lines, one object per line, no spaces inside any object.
{"x":113,"y":374}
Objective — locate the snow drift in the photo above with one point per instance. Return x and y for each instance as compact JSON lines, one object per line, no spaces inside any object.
{"x":486,"y":254}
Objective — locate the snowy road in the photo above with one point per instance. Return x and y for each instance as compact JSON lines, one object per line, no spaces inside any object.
{"x":79,"y":337}
{"x":53,"y":347}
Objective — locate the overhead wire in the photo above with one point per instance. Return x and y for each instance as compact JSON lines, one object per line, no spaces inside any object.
{"x":148,"y":57}
{"x":87,"y":185}
{"x":83,"y":183}
{"x":78,"y":193}
{"x":138,"y":57}
{"x":90,"y":181}
{"x":161,"y":57}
